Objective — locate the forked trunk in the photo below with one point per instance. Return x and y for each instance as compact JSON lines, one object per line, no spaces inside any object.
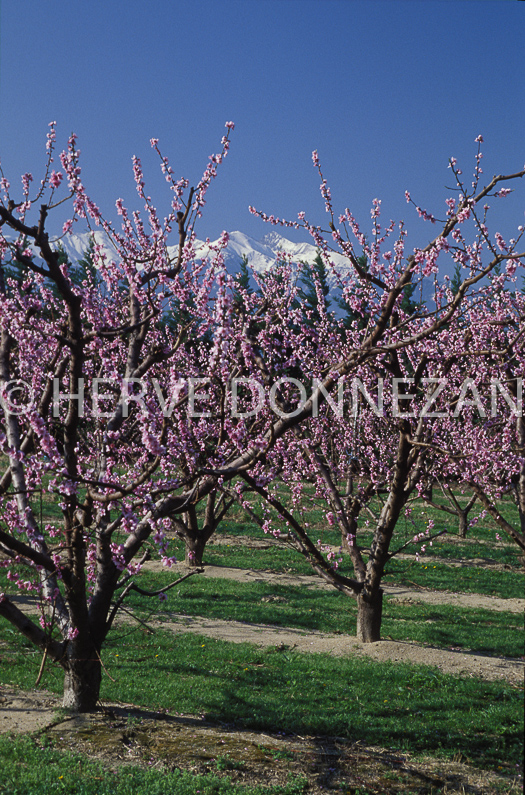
{"x":82,"y":684}
{"x":369,"y":612}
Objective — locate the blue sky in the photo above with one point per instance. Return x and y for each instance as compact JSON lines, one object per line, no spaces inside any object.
{"x":386,"y":91}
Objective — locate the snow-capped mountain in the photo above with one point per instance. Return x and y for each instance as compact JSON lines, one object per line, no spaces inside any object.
{"x":261,"y":254}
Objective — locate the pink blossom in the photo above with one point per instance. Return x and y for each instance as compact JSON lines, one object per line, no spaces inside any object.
{"x":55,"y":179}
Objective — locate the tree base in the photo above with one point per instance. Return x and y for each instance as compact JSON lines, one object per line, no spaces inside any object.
{"x":82,"y":687}
{"x":194,"y":553}
{"x":463,"y":525}
{"x":369,"y":613}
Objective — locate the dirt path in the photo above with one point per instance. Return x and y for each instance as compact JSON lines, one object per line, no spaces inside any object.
{"x":448,"y":661}
{"x":26,"y":711}
{"x":313,"y":641}
{"x":485,"y":563}
{"x":398,"y":592}
{"x":471,"y":563}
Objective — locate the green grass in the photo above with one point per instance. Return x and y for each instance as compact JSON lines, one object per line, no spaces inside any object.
{"x":277,"y":558}
{"x":459,"y":579}
{"x":482,"y":631}
{"x":474,"y":547}
{"x":481,"y":543}
{"x":410,"y":707}
{"x":426,"y":573}
{"x":28,"y":767}
{"x":483,"y":532}
{"x":474,"y":629}
{"x":413,"y":708}
{"x":318,"y":694}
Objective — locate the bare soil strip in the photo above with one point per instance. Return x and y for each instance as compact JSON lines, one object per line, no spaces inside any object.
{"x":26,"y":711}
{"x":486,"y":563}
{"x":288,"y":638}
{"x":446,"y":660}
{"x":398,"y":592}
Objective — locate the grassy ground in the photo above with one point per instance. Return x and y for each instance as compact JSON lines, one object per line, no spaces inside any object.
{"x":427,"y":573}
{"x":35,"y":768}
{"x":410,"y":708}
{"x":478,"y":630}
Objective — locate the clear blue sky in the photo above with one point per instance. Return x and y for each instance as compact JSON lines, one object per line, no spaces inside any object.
{"x":386,"y":91}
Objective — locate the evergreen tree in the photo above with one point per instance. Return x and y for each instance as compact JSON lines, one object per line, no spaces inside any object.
{"x":243,"y":276}
{"x":82,"y":270}
{"x":456,"y":279}
{"x":242,"y":279}
{"x":181,"y":314}
{"x":308,"y":291}
{"x":85,"y":267}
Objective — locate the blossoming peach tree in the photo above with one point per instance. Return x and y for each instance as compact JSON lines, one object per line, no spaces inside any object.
{"x":467,"y":337}
{"x":76,"y":349}
{"x":487,"y":448}
{"x":127,"y":389}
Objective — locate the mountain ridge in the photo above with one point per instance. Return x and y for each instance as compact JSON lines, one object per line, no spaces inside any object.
{"x":261,"y":254}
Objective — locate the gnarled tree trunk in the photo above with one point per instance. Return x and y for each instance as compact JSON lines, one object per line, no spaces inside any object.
{"x":195,"y":535}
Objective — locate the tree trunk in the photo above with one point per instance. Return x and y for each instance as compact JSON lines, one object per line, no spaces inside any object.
{"x":463,"y":524}
{"x":369,"y":612}
{"x":194,"y":549}
{"x":82,"y":684}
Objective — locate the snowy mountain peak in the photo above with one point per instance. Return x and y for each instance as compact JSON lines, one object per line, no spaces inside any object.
{"x":261,"y":254}
{"x":273,"y":240}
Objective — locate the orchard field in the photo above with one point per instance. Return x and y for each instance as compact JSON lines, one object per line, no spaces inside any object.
{"x":248,"y":678}
{"x":159,"y":413}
